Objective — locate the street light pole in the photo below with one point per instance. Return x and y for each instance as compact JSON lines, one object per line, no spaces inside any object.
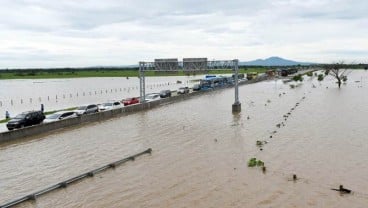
{"x":236,"y":107}
{"x":142,"y":84}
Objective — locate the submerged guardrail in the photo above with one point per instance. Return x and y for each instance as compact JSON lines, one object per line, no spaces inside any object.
{"x":69,"y":181}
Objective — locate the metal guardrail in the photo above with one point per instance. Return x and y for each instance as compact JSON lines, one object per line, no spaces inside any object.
{"x":69,"y":181}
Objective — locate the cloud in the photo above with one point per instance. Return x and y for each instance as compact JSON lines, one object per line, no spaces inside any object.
{"x":37,"y":33}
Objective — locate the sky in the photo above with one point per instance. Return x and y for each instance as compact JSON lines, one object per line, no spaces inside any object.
{"x":83,"y":33}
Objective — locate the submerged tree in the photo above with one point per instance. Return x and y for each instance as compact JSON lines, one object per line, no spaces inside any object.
{"x":338,"y":71}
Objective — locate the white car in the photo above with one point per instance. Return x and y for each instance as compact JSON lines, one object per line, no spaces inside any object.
{"x":59,"y":116}
{"x":152,"y":97}
{"x":183,"y":90}
{"x":109,"y":105}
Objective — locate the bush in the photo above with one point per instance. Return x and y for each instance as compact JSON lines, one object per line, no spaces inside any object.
{"x":320,"y":77}
{"x":298,"y":77}
{"x":254,"y":162}
{"x":344,"y":78}
{"x":260,"y":163}
{"x":309,"y":74}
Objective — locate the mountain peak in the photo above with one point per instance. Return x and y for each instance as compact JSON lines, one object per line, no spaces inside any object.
{"x":273,"y":61}
{"x":274,"y":57}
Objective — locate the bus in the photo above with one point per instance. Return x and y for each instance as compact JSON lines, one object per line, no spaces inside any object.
{"x":215,"y":82}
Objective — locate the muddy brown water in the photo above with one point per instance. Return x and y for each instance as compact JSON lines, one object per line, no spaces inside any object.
{"x":200,"y":152}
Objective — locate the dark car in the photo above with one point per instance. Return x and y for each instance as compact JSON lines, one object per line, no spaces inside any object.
{"x":165,"y":93}
{"x":26,"y":119}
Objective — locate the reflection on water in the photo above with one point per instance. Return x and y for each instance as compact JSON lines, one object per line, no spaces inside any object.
{"x":200,"y":152}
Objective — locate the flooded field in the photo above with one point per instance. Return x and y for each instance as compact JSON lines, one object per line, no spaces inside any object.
{"x":201,"y":151}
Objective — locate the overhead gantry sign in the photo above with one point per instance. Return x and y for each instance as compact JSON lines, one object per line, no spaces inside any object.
{"x":189,"y":65}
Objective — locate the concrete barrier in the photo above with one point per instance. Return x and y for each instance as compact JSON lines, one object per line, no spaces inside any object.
{"x":100,"y":116}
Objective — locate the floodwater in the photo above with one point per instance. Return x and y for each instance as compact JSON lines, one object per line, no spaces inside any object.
{"x":201,"y":150}
{"x":20,"y":95}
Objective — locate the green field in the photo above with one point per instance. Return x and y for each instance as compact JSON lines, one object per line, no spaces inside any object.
{"x":39,"y":74}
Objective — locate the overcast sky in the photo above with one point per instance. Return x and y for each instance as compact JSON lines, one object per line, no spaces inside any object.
{"x":67,"y":33}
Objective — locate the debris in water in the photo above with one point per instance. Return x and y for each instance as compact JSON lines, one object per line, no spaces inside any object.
{"x":343,"y":190}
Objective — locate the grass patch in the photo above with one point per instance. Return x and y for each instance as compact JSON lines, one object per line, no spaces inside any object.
{"x":4,"y":120}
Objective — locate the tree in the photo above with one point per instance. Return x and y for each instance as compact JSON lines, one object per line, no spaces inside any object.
{"x":338,"y":71}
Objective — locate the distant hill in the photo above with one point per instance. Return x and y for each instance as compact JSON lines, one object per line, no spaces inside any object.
{"x":272,"y":61}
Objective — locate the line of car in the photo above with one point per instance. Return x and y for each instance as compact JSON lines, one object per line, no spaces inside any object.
{"x":30,"y":118}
